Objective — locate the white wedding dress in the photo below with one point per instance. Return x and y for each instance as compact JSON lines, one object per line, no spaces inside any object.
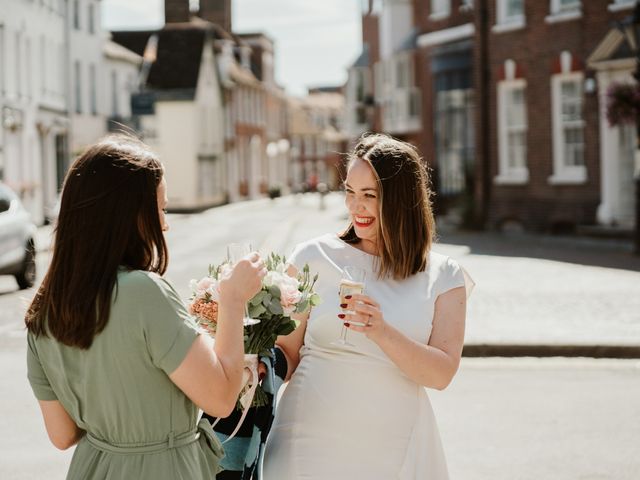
{"x":351,"y":413}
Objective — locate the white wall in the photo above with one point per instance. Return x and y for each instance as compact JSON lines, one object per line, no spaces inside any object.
{"x":395,"y":25}
{"x":120,"y":79}
{"x":86,"y":50}
{"x":171,"y":134}
{"x":33,"y":98}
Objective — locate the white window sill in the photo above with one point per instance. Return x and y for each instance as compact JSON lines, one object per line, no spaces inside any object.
{"x":618,"y":7}
{"x":508,"y":27}
{"x":512,"y":178}
{"x":563,"y":17}
{"x":434,"y":17}
{"x":575,"y":178}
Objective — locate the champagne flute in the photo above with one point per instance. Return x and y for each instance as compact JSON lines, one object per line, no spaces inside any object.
{"x":352,"y":283}
{"x":235,"y":253}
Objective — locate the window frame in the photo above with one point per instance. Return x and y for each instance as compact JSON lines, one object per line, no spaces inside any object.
{"x":563,"y":173}
{"x":507,"y":174}
{"x":501,"y":15}
{"x":443,"y":12}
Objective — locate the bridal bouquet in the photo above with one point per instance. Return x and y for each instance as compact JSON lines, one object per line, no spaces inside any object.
{"x":280,"y":296}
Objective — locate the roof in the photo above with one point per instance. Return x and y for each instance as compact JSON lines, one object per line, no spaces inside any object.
{"x":179,"y":51}
{"x":114,"y":51}
{"x":363,"y":59}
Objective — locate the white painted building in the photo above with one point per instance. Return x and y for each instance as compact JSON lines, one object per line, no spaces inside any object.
{"x":121,"y":75}
{"x":619,"y":162}
{"x":88,"y":101}
{"x":183,"y":116}
{"x":33,"y":100}
{"x":396,"y":90}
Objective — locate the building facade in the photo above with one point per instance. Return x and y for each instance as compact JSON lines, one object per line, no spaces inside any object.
{"x":34,"y":101}
{"x":513,"y":98}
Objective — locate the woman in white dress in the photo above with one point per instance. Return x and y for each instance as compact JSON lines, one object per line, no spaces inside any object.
{"x":361,"y":411}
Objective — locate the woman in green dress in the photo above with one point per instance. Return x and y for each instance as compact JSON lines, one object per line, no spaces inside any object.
{"x":116,"y":364}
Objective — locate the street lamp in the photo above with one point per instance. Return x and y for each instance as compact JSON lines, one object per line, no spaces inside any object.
{"x":630,"y":27}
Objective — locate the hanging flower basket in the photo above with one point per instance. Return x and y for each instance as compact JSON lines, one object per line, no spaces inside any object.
{"x":623,"y":103}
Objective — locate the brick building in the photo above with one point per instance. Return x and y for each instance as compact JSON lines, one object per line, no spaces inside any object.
{"x":512,"y":106}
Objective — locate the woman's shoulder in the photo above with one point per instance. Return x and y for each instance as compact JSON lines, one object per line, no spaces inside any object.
{"x":143,"y":282}
{"x":328,"y":241}
{"x":439,"y":261}
{"x":448,"y":273}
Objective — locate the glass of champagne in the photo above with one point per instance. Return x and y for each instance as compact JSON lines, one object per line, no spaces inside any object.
{"x":352,"y":283}
{"x":235,"y":253}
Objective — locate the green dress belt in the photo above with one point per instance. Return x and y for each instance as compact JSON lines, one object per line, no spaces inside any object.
{"x":173,"y":441}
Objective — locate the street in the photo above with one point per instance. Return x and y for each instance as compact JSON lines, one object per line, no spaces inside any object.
{"x":501,"y":419}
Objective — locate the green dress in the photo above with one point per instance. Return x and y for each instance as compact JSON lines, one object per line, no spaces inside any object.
{"x":139,"y":424}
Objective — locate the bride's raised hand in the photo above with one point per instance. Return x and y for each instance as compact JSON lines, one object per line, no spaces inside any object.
{"x":367,"y":319}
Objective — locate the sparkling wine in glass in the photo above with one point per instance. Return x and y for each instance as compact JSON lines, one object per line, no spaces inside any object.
{"x":235,"y":253}
{"x":352,"y":283}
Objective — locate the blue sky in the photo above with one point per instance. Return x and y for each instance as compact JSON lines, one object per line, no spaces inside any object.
{"x":315,"y":41}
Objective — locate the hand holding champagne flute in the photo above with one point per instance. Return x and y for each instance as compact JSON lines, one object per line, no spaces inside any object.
{"x":352,"y":283}
{"x":235,"y":253}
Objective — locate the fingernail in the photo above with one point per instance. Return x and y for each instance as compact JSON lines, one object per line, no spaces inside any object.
{"x":341,"y":315}
{"x":347,"y":324}
{"x":347,"y":297}
{"x":343,"y":305}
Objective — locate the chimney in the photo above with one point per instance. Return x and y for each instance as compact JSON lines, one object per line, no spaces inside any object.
{"x":176,"y":11}
{"x":217,"y":11}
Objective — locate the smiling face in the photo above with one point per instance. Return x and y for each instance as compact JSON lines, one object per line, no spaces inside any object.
{"x":363,"y":203}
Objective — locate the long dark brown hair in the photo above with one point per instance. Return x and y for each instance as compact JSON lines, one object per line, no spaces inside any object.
{"x":108,"y":219}
{"x":406,"y":228}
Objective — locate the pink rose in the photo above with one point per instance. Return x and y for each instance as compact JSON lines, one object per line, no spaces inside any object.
{"x":289,"y":297}
{"x":205,"y":283}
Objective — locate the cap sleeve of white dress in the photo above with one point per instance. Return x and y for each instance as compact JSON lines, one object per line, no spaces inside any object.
{"x":299,"y":256}
{"x":453,"y":276}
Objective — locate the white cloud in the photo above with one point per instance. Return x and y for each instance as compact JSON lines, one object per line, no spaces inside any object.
{"x":315,"y":41}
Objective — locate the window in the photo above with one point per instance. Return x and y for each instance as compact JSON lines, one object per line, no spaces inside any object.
{"x":76,"y":14}
{"x":617,"y":5}
{"x":512,"y":131}
{"x":18,"y":64}
{"x":565,"y":6}
{"x":3,"y":65}
{"x":77,"y":73}
{"x":27,"y":62}
{"x":43,"y":65}
{"x":91,"y":19}
{"x":568,"y":129}
{"x":440,"y":9}
{"x":510,"y":11}
{"x":92,"y":90}
{"x":114,"y":94}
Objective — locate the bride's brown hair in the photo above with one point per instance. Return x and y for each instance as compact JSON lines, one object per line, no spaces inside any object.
{"x":406,"y":228}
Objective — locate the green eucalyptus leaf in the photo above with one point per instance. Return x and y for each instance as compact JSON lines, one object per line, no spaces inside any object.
{"x":256,"y":310}
{"x":302,"y":306}
{"x":275,"y":307}
{"x":275,"y":291}
{"x":286,"y":329}
{"x":257,"y":299}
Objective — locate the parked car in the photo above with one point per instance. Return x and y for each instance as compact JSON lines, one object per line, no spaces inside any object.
{"x":17,"y":233}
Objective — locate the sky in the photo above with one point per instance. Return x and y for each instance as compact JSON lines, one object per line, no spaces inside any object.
{"x":315,"y":41}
